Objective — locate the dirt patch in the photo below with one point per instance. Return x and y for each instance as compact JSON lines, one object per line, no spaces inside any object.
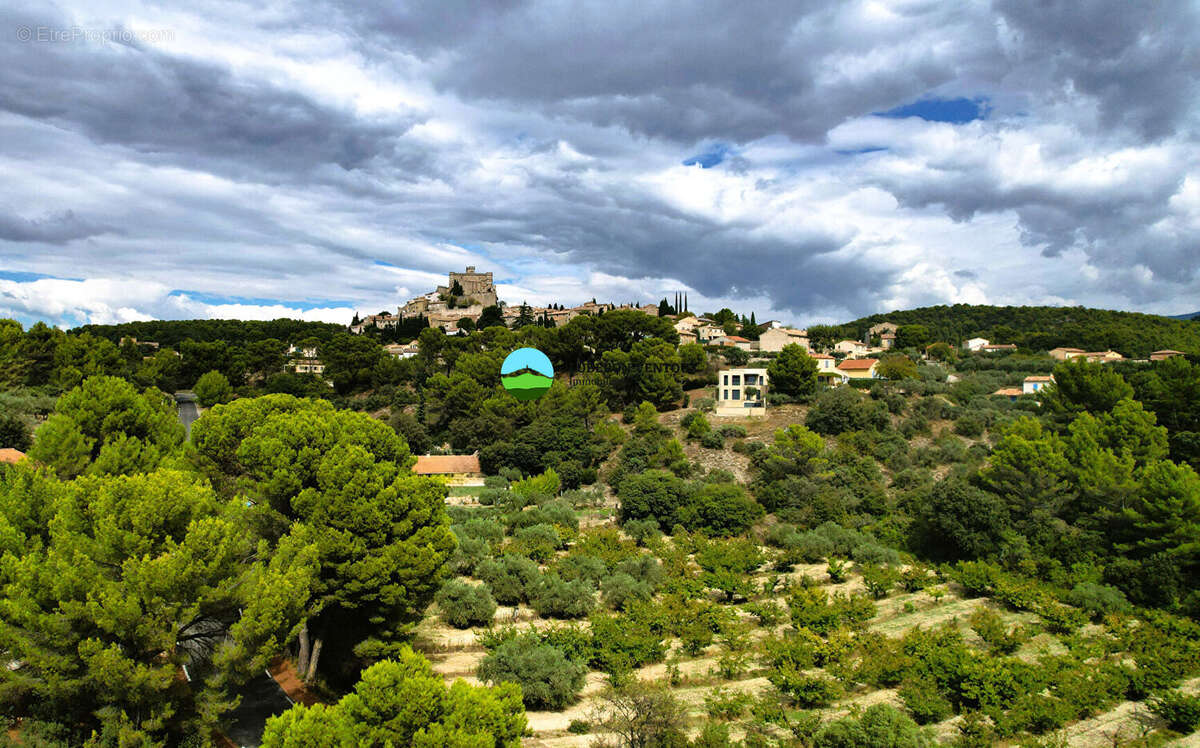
{"x":289,"y":680}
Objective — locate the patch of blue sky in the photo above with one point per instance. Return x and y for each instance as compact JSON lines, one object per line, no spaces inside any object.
{"x":955,"y":111}
{"x":24,"y":277}
{"x":710,"y":157}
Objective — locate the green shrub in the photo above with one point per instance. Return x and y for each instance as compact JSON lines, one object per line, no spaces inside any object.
{"x":696,"y":424}
{"x":810,"y":547}
{"x":495,"y":481}
{"x":815,"y":609}
{"x":465,"y":605}
{"x":643,"y":531}
{"x":768,"y":613}
{"x":990,"y":627}
{"x":579,"y":727}
{"x":879,"y":580}
{"x":1098,"y":600}
{"x":807,"y":691}
{"x":915,"y":579}
{"x":14,"y":434}
{"x":1181,"y":711}
{"x":554,"y":597}
{"x":838,"y":570}
{"x":510,"y":578}
{"x":727,"y":705}
{"x":875,"y":554}
{"x":579,"y":566}
{"x":922,"y":698}
{"x":538,"y":542}
{"x":712,"y":440}
{"x":629,"y":640}
{"x":470,"y":553}
{"x":880,"y":726}
{"x":969,"y":425}
{"x":977,"y":577}
{"x":733,"y":431}
{"x":548,"y":678}
{"x":706,"y":404}
{"x":621,"y":589}
{"x":645,"y":568}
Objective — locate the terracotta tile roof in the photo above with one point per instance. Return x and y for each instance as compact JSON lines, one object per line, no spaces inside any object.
{"x":1039,"y":379}
{"x":1167,"y":350}
{"x":10,"y":455}
{"x":1069,"y":350}
{"x":818,"y":355}
{"x":1009,"y":392}
{"x":853,"y":364}
{"x":446,"y":464}
{"x":737,"y":339}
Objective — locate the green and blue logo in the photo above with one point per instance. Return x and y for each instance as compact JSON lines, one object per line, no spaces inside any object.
{"x":527,"y":373}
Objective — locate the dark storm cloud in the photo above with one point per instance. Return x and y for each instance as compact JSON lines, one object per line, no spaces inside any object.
{"x":55,"y":229}
{"x":1138,"y":60}
{"x":709,"y":69}
{"x":186,"y":112}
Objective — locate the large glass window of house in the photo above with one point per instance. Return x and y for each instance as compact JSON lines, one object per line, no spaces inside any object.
{"x":737,"y":395}
{"x":737,"y":379}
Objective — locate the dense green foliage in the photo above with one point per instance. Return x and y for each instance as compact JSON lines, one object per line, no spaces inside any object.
{"x":402,"y":702}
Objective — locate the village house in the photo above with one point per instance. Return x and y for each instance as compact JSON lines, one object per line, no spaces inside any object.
{"x":709,"y":334}
{"x":859,"y":368}
{"x":1065,"y":354}
{"x":1164,"y":354}
{"x":737,"y":341}
{"x":883,"y":328}
{"x":455,"y":470}
{"x":998,"y":348}
{"x":1036,"y":384}
{"x":742,"y":392}
{"x":773,"y":340}
{"x":827,"y":367}
{"x":852,"y":348}
{"x":1012,"y":393}
{"x":974,"y":344}
{"x":406,"y":350}
{"x":303,"y":359}
{"x":887,"y":341}
{"x":382,"y":320}
{"x":1103,"y":357}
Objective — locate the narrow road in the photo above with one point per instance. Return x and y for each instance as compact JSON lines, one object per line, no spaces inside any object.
{"x":188,"y":410}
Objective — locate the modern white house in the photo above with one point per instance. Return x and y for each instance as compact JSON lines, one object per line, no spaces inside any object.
{"x":975,"y":344}
{"x":1036,"y":384}
{"x":742,"y":392}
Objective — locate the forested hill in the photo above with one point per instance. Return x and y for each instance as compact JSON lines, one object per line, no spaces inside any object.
{"x":1044,"y":327}
{"x":172,"y":332}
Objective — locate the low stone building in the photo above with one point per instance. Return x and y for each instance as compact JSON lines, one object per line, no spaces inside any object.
{"x":456,"y":470}
{"x":774,"y":339}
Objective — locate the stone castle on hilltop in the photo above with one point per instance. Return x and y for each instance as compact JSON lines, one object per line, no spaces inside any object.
{"x":466,"y":295}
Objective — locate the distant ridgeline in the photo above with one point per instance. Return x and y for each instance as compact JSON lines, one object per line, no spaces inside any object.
{"x":1039,"y":328}
{"x":171,"y":333}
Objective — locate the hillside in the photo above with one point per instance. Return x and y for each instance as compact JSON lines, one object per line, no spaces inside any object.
{"x":1042,"y":327}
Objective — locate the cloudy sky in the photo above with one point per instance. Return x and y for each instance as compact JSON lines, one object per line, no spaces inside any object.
{"x":810,"y":161}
